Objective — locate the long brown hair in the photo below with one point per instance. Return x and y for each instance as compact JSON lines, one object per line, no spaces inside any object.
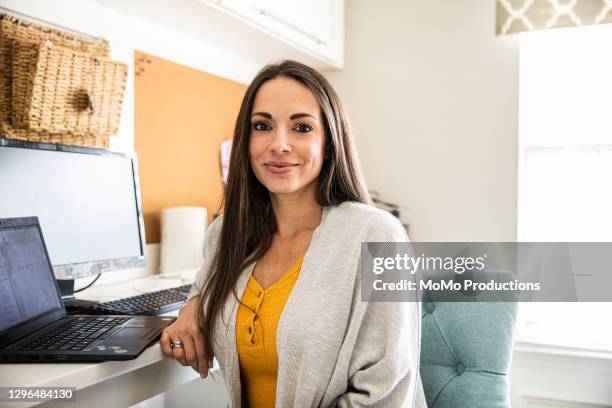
{"x":248,"y":221}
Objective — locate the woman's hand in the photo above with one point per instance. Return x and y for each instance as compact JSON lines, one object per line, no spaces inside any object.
{"x":186,"y":330}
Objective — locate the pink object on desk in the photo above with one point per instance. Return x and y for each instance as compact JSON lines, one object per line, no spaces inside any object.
{"x":226,"y":150}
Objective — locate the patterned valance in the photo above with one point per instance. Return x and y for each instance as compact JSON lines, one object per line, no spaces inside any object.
{"x":525,"y":15}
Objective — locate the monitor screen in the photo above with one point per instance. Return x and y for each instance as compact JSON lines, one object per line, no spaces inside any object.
{"x":87,"y":202}
{"x":27,"y":288}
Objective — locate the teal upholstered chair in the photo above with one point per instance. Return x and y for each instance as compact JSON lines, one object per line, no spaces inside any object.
{"x":466,"y":352}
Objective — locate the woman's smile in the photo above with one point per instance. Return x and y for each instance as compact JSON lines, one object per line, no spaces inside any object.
{"x":280,"y":167}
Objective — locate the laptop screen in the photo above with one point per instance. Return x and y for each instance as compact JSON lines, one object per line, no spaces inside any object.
{"x":27,"y":286}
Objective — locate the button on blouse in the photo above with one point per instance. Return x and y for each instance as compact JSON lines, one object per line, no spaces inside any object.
{"x":256,"y":324}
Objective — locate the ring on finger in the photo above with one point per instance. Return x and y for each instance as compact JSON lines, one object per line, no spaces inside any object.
{"x":176,"y":344}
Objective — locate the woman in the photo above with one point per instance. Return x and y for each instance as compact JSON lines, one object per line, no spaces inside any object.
{"x":278,"y":299}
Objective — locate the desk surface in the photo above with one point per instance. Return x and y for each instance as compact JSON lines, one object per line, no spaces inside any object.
{"x":116,"y":383}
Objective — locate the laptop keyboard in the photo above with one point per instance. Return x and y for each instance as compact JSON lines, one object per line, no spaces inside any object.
{"x":75,"y":333}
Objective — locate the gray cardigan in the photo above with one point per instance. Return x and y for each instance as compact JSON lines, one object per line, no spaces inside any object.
{"x":333,"y":349}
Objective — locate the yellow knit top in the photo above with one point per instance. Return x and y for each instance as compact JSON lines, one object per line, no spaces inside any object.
{"x":256,"y":336}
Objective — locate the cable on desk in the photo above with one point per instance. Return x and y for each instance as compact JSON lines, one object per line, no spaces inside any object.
{"x":180,"y":275}
{"x":92,"y":282}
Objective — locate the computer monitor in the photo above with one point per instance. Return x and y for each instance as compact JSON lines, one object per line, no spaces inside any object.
{"x":87,"y":201}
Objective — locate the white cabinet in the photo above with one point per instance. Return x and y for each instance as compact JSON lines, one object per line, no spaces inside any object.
{"x":255,"y":31}
{"x":312,"y":18}
{"x":312,"y":26}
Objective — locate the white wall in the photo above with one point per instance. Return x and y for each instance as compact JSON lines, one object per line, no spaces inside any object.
{"x":432,"y":95}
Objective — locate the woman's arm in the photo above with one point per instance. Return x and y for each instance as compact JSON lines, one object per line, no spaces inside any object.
{"x":383,"y":369}
{"x":186,"y":328}
{"x":384,"y":365}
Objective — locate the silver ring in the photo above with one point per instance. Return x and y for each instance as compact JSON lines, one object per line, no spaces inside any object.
{"x":176,"y":344}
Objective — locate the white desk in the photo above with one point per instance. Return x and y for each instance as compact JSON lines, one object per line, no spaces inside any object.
{"x":108,"y":384}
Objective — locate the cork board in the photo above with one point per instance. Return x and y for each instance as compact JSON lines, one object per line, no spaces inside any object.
{"x":181,"y":117}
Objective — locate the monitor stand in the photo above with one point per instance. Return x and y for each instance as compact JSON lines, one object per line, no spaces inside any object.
{"x":72,"y":304}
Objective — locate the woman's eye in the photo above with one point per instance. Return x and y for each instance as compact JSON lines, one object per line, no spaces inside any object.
{"x":302,"y":128}
{"x":261,"y":126}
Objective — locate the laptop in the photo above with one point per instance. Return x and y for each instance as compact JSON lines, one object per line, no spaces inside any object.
{"x":34,"y":325}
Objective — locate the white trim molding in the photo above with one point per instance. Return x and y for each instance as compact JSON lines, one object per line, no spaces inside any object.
{"x":536,"y":402}
{"x":557,"y":376}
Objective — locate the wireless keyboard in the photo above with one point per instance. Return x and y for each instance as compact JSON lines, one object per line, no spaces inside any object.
{"x":151,"y":303}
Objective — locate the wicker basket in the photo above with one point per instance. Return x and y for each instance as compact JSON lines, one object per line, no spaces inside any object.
{"x":58,"y":90}
{"x":14,"y":31}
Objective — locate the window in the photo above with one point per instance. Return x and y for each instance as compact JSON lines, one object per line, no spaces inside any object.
{"x":565,"y":166}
